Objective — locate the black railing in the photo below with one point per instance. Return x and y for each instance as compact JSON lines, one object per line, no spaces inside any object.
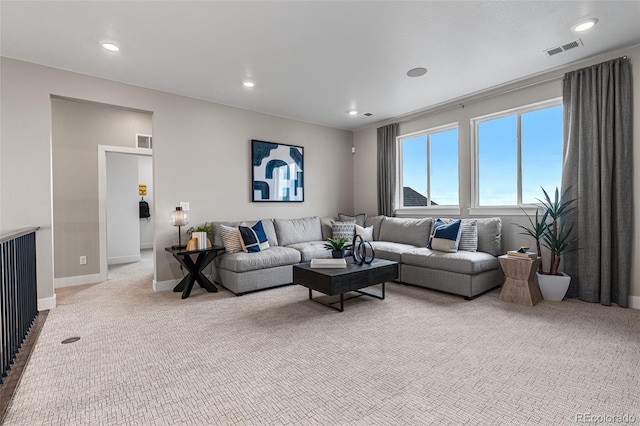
{"x":18,"y":293}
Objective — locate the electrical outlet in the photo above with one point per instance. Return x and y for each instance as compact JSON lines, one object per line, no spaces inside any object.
{"x":83,"y":260}
{"x":184,"y":205}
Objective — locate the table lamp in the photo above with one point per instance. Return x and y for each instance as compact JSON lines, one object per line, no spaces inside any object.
{"x":179,"y":218}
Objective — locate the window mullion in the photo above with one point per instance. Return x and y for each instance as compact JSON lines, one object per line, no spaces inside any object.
{"x":519,"y":158}
{"x":428,"y":169}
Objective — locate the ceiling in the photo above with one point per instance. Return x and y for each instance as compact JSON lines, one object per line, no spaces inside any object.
{"x":314,"y":61}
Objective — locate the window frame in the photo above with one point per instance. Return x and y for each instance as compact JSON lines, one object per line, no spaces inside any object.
{"x":401,"y":210}
{"x":519,"y":208}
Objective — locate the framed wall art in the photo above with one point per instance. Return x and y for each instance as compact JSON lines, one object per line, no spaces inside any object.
{"x":277,"y":172}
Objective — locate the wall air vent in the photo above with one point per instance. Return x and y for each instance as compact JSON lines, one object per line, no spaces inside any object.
{"x":144,"y":141}
{"x":564,"y":47}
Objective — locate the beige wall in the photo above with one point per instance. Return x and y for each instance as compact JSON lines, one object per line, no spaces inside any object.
{"x":201,"y":155}
{"x":77,"y":130}
{"x":365,"y":140}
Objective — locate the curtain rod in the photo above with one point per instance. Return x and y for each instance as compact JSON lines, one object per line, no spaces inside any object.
{"x":488,"y":96}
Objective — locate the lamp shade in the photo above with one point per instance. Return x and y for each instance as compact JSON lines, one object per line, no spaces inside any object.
{"x":179,"y":217}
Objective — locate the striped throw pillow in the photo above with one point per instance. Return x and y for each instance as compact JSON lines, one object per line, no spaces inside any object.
{"x":469,"y":235}
{"x":231,"y":239}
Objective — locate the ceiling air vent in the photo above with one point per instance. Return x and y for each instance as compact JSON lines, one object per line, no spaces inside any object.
{"x":368,"y":114}
{"x":564,"y":47}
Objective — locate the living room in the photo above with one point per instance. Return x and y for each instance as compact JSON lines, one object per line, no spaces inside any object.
{"x":201,"y":154}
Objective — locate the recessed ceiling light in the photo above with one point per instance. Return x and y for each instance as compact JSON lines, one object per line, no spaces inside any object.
{"x":586,"y":25}
{"x":417,"y":72}
{"x":111,"y":47}
{"x":248,"y":84}
{"x":353,"y":112}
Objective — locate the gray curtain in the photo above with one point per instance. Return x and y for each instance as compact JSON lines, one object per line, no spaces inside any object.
{"x":598,"y":170}
{"x":387,"y":168}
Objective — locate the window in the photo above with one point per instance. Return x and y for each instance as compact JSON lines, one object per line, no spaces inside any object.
{"x":428,"y":168}
{"x":518,"y":152}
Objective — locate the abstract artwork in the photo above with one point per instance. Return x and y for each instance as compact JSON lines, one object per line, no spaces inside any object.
{"x":277,"y":172}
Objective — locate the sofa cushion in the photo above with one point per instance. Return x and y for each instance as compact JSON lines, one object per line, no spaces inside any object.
{"x":326,"y":227}
{"x":311,"y":250}
{"x":463,"y":262}
{"x":389,"y":250}
{"x":243,"y":262}
{"x":376,"y":222}
{"x":405,"y":230}
{"x":489,"y":235}
{"x":359,"y":219}
{"x":291,"y":231}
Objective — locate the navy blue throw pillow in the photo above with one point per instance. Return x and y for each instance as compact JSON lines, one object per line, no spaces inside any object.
{"x":254,"y":239}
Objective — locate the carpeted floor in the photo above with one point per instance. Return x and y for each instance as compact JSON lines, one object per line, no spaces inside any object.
{"x":275,"y":358}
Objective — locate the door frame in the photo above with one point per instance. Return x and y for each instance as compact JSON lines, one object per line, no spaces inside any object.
{"x":102,"y":197}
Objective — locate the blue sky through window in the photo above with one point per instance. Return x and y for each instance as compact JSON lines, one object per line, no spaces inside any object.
{"x":541,"y":145}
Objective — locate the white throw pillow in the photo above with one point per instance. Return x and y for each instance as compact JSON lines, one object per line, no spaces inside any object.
{"x":365,"y":233}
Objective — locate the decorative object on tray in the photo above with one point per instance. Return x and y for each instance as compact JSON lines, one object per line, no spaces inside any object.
{"x":522,"y":253}
{"x":179,"y":218}
{"x":277,"y":172}
{"x":338,"y":247}
{"x":550,"y":229}
{"x":360,"y":251}
{"x":328,"y":263}
{"x":194,"y":243}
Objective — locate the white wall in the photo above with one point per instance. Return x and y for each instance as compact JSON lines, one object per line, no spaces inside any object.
{"x":145,"y":177}
{"x":123,"y":224}
{"x":365,"y":141}
{"x":185,"y":131}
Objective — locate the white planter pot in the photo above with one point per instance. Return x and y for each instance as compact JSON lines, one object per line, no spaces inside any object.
{"x":553,"y":287}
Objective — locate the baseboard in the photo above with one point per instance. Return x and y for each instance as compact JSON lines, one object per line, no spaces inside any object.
{"x":78,"y":280}
{"x":164,"y":285}
{"x":145,"y":246}
{"x":47,"y":303}
{"x":123,"y":259}
{"x":634,"y":302}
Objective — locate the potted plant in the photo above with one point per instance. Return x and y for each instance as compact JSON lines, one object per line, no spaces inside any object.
{"x":549,"y":231}
{"x":338,"y":247}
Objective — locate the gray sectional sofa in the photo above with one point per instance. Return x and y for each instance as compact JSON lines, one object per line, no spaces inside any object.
{"x":404,"y":240}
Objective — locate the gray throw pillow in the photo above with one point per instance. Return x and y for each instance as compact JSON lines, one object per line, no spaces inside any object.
{"x":358,"y":219}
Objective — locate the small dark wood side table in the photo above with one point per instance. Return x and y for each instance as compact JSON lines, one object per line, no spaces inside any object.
{"x":520,"y":285}
{"x":205,"y":256}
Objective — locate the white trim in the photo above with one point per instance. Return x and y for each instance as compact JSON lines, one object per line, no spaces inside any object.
{"x":167,"y":285}
{"x":146,"y":246}
{"x":47,"y":303}
{"x":504,"y":210}
{"x":428,"y":211}
{"x":634,"y":302}
{"x":102,"y":197}
{"x":78,"y":280}
{"x":124,"y":259}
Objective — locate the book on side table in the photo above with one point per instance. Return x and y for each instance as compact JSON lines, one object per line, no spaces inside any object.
{"x":522,"y":255}
{"x":328,"y":263}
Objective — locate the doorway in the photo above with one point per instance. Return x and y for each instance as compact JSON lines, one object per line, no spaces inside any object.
{"x":125,"y":238}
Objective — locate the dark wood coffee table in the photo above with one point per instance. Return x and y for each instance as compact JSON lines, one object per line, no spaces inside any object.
{"x":333,"y":282}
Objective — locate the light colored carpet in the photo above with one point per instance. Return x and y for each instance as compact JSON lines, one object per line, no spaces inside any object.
{"x":275,"y":358}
